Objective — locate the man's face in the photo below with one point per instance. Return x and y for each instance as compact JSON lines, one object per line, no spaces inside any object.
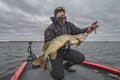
{"x":60,"y":14}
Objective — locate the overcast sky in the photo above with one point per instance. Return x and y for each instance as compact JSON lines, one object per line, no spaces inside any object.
{"x":27,"y":19}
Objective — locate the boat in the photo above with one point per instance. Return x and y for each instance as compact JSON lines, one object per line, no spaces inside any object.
{"x":85,"y":71}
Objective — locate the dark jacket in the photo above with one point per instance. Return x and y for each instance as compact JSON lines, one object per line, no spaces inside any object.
{"x":55,"y":30}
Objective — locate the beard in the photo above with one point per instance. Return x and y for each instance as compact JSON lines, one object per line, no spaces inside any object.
{"x":61,"y":20}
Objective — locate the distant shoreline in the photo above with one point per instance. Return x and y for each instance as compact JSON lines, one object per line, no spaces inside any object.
{"x":20,"y":41}
{"x":43,"y":41}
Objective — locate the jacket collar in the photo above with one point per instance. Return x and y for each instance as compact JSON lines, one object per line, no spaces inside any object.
{"x":55,"y":20}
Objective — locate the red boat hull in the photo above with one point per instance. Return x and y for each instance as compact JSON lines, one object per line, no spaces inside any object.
{"x":21,"y":69}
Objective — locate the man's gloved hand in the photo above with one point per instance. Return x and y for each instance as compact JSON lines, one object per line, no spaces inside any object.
{"x":92,"y":27}
{"x":67,"y":45}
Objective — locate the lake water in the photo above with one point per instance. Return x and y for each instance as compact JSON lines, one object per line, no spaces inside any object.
{"x":13,"y":54}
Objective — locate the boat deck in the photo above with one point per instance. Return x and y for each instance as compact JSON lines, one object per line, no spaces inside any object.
{"x":83,"y":73}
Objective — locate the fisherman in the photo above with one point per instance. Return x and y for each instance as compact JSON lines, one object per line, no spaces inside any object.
{"x":59,"y":27}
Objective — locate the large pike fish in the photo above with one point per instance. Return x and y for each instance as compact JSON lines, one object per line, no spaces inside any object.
{"x":51,"y":47}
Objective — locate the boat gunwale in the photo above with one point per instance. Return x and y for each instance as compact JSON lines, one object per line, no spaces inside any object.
{"x":19,"y":71}
{"x":99,"y":66}
{"x":87,"y":63}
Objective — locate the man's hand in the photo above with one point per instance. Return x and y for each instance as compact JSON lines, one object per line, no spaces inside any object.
{"x":92,"y":27}
{"x":67,"y":45}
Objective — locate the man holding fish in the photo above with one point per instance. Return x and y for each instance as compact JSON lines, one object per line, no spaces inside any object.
{"x":60,"y":26}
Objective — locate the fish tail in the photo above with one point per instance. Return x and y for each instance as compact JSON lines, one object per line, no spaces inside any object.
{"x":42,"y":62}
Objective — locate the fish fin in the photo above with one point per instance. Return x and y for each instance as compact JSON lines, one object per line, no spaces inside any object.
{"x":67,"y":44}
{"x":42,"y":64}
{"x":53,"y":55}
{"x":45,"y":46}
{"x":79,"y":42}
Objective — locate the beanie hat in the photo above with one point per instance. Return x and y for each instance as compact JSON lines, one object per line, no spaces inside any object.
{"x":60,"y":8}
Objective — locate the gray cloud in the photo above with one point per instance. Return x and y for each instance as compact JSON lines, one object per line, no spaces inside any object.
{"x":27,"y":19}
